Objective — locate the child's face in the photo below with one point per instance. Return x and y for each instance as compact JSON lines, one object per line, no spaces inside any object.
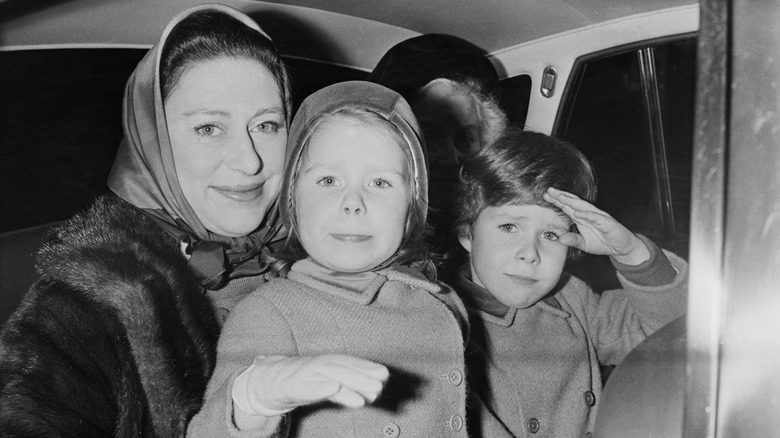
{"x":515,"y":254}
{"x":352,"y":195}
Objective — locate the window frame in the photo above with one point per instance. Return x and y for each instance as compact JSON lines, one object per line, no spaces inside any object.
{"x":645,"y":51}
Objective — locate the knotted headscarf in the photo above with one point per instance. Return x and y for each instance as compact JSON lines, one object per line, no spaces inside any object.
{"x":144,"y":175}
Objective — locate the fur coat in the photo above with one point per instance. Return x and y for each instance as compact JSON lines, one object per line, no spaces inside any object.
{"x":114,"y":339}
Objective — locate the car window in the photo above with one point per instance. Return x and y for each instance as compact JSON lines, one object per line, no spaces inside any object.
{"x":61,"y":124}
{"x":631,"y":113}
{"x":515,"y":95}
{"x":61,"y":118}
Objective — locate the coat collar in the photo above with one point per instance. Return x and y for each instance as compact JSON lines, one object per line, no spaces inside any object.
{"x":360,"y":288}
{"x":478,"y":301}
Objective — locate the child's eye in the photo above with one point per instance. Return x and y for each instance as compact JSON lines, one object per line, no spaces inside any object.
{"x":549,"y":235}
{"x":208,"y":130}
{"x":508,"y":228}
{"x":266,"y":127}
{"x":327,"y":181}
{"x":380,"y":184}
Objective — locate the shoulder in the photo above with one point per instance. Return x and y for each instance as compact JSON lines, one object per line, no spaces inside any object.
{"x":573,"y":292}
{"x":113,"y":256}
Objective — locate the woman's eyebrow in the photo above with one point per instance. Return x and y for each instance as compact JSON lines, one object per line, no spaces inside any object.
{"x":271,"y":110}
{"x":208,"y":112}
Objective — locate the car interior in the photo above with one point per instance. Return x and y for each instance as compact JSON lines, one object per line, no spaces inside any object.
{"x":683,"y":141}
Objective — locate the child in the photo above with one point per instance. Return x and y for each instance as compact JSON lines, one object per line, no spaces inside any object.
{"x":355,"y":315}
{"x":539,"y":334}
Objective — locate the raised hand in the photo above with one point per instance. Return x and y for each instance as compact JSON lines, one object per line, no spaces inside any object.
{"x":277,"y":384}
{"x":599,"y":233}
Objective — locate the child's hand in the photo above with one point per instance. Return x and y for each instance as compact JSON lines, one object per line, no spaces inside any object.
{"x":599,"y":233}
{"x":277,"y":384}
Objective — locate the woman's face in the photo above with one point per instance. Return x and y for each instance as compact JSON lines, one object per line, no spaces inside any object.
{"x":228,"y":134}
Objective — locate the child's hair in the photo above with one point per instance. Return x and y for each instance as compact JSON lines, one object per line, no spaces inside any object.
{"x":413,"y":250}
{"x":492,"y":119}
{"x":517,"y":169}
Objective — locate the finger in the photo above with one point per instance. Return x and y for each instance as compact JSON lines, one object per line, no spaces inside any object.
{"x":349,"y":366}
{"x":355,"y":380}
{"x":348,"y":398}
{"x":572,"y":239}
{"x":598,"y":220}
{"x":565,"y":199}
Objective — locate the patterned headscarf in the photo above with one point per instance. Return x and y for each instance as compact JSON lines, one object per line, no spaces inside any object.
{"x":144,"y":175}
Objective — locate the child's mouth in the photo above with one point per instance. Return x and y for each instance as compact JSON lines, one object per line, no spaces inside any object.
{"x":356,"y":238}
{"x":521,"y":279}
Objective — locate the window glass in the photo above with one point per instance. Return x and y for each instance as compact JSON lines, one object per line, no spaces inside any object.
{"x":515,"y":95}
{"x":608,"y":122}
{"x":605,"y":114}
{"x":61,"y":118}
{"x":676,"y":75}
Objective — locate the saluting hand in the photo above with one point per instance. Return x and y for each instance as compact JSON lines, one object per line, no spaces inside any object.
{"x":599,"y":233}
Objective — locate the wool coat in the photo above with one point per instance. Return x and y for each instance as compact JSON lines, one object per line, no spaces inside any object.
{"x":412,"y":326}
{"x":115,"y":339}
{"x":537,"y":369}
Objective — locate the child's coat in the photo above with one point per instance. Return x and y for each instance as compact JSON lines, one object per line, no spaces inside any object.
{"x":537,"y":369}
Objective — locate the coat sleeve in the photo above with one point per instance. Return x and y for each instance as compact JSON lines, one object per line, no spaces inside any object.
{"x":650,"y":297}
{"x":256,"y":327}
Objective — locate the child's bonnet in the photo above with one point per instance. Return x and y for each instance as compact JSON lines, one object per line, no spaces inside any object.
{"x":382,"y":101}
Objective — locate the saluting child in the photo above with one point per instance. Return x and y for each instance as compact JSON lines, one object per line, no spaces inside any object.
{"x":538,"y":333}
{"x":357,"y":314}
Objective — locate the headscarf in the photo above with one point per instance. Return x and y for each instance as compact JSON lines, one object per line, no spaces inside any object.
{"x":145,"y":176}
{"x":413,"y":63}
{"x":353,"y":94}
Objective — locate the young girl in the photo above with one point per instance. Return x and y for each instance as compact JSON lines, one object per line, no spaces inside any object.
{"x":356,"y":315}
{"x":538,"y":334}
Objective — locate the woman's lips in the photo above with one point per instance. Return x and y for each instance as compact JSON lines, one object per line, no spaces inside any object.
{"x":240,"y":193}
{"x":355,"y":238}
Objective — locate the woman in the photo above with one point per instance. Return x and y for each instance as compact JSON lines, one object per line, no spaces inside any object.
{"x":117,"y":336}
{"x":454,"y":92}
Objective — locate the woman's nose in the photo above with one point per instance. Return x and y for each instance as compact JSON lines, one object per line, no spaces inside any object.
{"x":242,"y":155}
{"x":353,"y":203}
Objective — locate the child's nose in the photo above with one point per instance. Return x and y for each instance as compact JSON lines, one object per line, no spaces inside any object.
{"x":353,"y":203}
{"x":527,"y":253}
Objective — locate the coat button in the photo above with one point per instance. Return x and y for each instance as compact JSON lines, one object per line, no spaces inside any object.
{"x":455,"y":377}
{"x":588,"y":435}
{"x":590,"y":398}
{"x":391,"y":430}
{"x":455,"y":423}
{"x":533,"y":425}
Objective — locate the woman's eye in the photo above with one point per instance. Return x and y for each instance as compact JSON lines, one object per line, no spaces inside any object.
{"x":208,"y":130}
{"x":327,"y":181}
{"x":549,"y":235}
{"x":267,"y":127}
{"x":508,"y":228}
{"x":380,"y":184}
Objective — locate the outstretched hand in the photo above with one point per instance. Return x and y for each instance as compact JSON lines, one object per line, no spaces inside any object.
{"x":278,"y":383}
{"x":599,"y":233}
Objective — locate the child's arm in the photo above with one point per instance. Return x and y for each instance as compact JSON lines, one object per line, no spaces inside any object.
{"x":275,"y":385}
{"x":599,"y":233}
